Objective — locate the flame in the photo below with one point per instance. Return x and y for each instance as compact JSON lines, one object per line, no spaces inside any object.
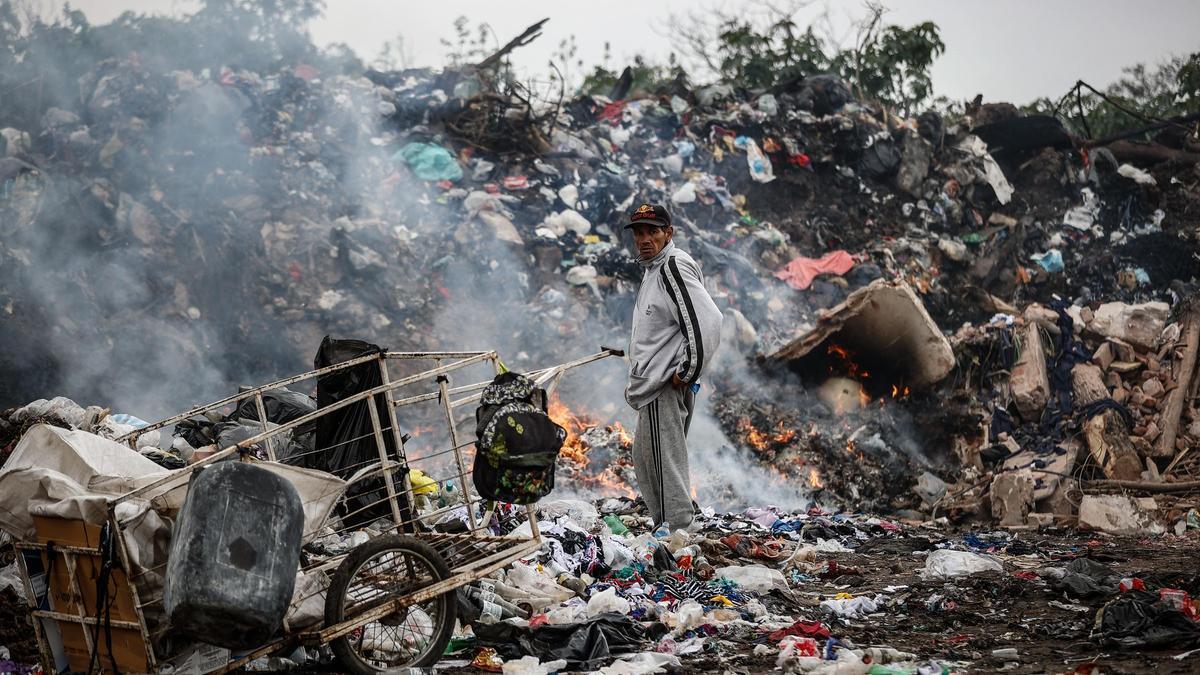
{"x":764,"y":440}
{"x":573,"y":448}
{"x":576,"y":451}
{"x":845,"y":363}
{"x":814,"y":479}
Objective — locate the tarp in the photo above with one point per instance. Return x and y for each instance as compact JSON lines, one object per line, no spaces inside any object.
{"x":68,"y":473}
{"x":73,"y":474}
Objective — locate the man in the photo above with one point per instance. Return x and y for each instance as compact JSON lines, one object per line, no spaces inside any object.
{"x":676,"y":331}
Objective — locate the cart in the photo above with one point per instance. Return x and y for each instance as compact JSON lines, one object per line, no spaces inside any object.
{"x":388,"y":600}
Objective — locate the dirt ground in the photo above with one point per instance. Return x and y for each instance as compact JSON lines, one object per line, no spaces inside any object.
{"x":957,"y":622}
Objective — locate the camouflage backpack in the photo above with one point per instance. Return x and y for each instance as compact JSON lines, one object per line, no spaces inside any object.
{"x":516,"y":442}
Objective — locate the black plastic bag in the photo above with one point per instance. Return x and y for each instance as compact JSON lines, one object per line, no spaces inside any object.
{"x":584,"y":646}
{"x":1086,"y":578}
{"x":345,"y":440}
{"x":198,"y":431}
{"x":282,"y":406}
{"x":1141,"y":620}
{"x":233,"y":431}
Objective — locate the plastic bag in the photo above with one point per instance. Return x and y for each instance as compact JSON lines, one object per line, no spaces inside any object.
{"x":345,"y":439}
{"x":760,"y":166}
{"x":945,"y":563}
{"x":531,"y":665}
{"x":850,"y":608}
{"x":10,"y":577}
{"x":690,"y":615}
{"x":429,"y":161}
{"x":608,"y":601}
{"x":281,"y":405}
{"x":753,"y":578}
{"x":642,"y":664}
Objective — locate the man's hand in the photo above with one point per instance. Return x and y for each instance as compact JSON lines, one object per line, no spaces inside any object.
{"x":676,"y":382}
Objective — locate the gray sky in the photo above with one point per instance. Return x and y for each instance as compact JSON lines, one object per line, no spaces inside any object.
{"x":1012,"y":50}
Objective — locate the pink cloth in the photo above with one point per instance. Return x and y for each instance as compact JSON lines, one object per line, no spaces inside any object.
{"x":799,"y":273}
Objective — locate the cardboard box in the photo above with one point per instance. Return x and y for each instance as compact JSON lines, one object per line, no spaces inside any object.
{"x":128,"y":646}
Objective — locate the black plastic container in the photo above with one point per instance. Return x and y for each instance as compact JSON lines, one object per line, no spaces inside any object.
{"x":235,"y":551}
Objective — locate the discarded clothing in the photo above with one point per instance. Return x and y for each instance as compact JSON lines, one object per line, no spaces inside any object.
{"x":799,"y":273}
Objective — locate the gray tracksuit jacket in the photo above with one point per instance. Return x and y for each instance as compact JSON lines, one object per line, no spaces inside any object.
{"x":676,"y":326}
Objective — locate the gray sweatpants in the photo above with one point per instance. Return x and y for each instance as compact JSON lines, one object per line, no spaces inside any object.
{"x":660,"y":456}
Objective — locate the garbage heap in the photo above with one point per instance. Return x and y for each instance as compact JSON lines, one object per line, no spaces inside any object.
{"x":817,"y":592}
{"x":168,"y":234}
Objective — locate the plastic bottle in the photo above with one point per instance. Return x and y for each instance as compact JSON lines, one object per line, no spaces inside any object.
{"x":662,"y":531}
{"x":495,"y":606}
{"x":574,"y":583}
{"x":678,"y":540}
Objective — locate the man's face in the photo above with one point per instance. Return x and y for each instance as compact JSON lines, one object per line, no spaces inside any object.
{"x":650,"y":239}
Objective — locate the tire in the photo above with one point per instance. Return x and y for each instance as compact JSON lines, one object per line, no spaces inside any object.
{"x":352,"y":590}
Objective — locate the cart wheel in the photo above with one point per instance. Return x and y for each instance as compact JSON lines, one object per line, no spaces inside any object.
{"x":386,"y":568}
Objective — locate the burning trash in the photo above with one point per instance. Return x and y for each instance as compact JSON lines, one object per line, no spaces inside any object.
{"x":958,"y":375}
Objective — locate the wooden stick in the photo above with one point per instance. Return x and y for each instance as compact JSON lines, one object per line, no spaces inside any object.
{"x":1143,"y":486}
{"x":1190,"y":339}
{"x":521,"y":40}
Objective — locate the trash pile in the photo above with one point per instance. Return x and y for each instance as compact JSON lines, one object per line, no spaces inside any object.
{"x":233,"y":217}
{"x":968,"y":321}
{"x":819,"y":592}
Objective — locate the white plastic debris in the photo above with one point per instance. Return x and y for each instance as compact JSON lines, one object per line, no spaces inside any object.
{"x":10,"y":577}
{"x":607,"y":601}
{"x":995,"y":176}
{"x":569,"y":219}
{"x":581,"y":275}
{"x":643,"y":663}
{"x":768,"y":105}
{"x":1135,"y":174}
{"x":760,"y":166}
{"x":945,"y":563}
{"x":753,"y":578}
{"x":686,"y":194}
{"x":59,"y":407}
{"x":1082,"y":217}
{"x":689,"y":616}
{"x":569,"y":194}
{"x":530,"y":665}
{"x":851,"y":608}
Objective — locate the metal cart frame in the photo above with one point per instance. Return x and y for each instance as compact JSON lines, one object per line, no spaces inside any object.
{"x":470,"y":556}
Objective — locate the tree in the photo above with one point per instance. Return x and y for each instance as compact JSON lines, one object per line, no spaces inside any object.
{"x":764,"y":45}
{"x":890,"y":63}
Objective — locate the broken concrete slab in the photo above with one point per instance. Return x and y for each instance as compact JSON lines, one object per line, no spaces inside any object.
{"x":887,"y":321}
{"x":1139,"y":325}
{"x":1012,"y":497}
{"x":1118,"y":514}
{"x":1030,"y":382}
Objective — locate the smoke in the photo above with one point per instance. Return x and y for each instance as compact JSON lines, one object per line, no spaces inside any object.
{"x":200,"y":220}
{"x":183,"y":225}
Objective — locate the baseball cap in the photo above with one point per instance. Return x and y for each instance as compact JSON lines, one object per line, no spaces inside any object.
{"x":649,"y":214}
